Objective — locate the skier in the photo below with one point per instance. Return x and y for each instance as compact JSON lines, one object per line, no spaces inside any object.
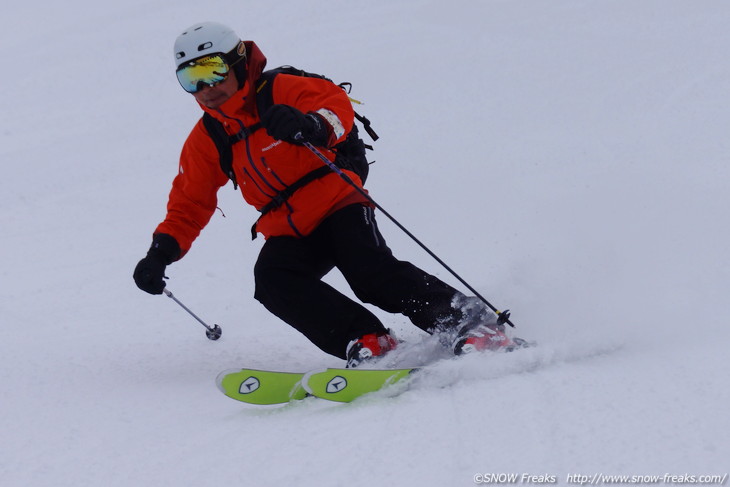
{"x":323,"y":224}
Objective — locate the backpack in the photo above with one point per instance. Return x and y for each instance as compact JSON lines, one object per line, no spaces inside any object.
{"x":349,"y":154}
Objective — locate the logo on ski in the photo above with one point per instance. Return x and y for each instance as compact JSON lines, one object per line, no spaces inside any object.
{"x":337,"y":384}
{"x":249,"y":385}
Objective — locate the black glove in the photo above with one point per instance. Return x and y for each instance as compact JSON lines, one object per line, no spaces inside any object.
{"x":150,"y":271}
{"x":284,"y":122}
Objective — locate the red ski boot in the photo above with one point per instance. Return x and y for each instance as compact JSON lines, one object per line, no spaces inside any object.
{"x":368,"y":347}
{"x":482,"y":337}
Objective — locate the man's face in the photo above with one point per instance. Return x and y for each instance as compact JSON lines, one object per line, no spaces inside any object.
{"x":215,"y":96}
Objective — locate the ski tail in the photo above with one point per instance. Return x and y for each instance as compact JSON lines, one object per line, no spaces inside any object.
{"x":261,"y":386}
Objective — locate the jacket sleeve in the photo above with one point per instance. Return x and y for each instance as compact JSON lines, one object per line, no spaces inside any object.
{"x":193,"y":198}
{"x":319,"y":96}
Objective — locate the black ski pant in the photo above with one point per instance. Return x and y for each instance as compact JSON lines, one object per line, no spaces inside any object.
{"x":289,"y":283}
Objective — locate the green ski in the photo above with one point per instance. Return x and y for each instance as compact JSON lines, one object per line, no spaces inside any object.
{"x":261,"y":386}
{"x":345,"y":385}
{"x":340,"y":385}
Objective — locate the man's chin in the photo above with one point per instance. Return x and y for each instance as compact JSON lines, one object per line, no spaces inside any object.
{"x":215,"y":101}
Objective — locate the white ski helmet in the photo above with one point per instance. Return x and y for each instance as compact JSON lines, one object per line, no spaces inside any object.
{"x":206,"y":38}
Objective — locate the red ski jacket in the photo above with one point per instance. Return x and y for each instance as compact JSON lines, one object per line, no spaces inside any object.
{"x":263,"y":166}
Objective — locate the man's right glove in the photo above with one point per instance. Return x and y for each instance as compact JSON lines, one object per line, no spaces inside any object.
{"x":150,"y":271}
{"x":284,"y":122}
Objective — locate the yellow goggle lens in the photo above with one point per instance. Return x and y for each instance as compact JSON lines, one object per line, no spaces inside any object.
{"x":208,"y":70}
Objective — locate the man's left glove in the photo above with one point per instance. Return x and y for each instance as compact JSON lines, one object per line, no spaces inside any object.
{"x":150,"y":271}
{"x":284,"y":122}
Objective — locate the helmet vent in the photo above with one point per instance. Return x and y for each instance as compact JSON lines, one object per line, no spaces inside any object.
{"x":205,"y":45}
{"x":180,"y":55}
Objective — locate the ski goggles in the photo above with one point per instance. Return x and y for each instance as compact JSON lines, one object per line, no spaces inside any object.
{"x":204,"y":71}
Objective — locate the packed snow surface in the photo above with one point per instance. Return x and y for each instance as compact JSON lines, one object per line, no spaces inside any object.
{"x":570,"y":159}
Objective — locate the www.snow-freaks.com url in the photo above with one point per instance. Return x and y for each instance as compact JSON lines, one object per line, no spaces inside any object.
{"x":604,"y":479}
{"x":600,"y":479}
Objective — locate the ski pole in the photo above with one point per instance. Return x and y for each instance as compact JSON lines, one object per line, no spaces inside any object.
{"x":213,"y":333}
{"x":503,"y":316}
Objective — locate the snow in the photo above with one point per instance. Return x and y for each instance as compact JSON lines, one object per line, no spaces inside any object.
{"x":569,"y":159}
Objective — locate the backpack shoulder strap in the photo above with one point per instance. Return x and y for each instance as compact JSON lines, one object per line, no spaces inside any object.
{"x":265,"y":84}
{"x":222,"y":142}
{"x":264,"y":90}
